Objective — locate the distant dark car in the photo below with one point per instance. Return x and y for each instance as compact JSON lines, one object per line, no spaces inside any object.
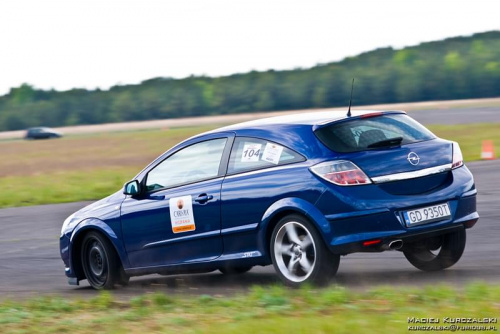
{"x":42,"y":133}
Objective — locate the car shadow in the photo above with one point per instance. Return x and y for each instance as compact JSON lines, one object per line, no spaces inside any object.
{"x":403,"y":277}
{"x":216,"y":283}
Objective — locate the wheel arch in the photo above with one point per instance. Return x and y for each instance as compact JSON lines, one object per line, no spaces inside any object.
{"x":93,"y":225}
{"x":285,"y":207}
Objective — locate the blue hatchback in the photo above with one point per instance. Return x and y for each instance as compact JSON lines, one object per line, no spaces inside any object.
{"x":295,"y":191}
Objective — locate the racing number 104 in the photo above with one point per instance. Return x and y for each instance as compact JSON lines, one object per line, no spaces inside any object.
{"x":251,"y":153}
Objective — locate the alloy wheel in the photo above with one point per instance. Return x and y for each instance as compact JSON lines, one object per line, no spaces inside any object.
{"x":295,"y":251}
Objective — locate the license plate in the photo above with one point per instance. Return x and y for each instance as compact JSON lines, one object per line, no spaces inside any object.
{"x":427,"y":215}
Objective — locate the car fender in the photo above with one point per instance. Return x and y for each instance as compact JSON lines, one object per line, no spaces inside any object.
{"x":297,"y":205}
{"x":100,"y":226}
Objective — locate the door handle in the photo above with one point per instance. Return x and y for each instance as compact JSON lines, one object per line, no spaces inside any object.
{"x":203,"y":198}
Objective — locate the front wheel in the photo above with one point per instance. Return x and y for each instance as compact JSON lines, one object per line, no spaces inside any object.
{"x":299,"y":254}
{"x":101,"y":264}
{"x":436,"y":253}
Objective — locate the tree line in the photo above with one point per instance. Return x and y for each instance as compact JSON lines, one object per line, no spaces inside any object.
{"x":454,"y":68}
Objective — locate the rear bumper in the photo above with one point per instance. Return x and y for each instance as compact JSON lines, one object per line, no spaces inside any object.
{"x":352,"y":230}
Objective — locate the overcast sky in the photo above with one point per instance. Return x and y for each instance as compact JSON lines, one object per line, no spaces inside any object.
{"x":63,"y":44}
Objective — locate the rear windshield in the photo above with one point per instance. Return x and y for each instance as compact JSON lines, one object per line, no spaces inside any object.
{"x":373,"y":133}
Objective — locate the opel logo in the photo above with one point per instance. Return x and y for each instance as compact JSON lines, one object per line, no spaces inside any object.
{"x":413,"y":158}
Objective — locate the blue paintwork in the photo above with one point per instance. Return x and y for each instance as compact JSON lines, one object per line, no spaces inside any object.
{"x":147,"y":231}
{"x":432,"y":153}
{"x":234,"y":227}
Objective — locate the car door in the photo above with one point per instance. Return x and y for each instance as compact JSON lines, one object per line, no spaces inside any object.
{"x":258,"y":174}
{"x":178,"y":219}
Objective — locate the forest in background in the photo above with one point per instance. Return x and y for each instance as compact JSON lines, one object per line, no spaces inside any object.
{"x":454,"y":68}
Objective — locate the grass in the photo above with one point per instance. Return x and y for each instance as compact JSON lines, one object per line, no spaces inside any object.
{"x":263,"y":310}
{"x":63,"y":187}
{"x":89,"y":167}
{"x":80,"y":167}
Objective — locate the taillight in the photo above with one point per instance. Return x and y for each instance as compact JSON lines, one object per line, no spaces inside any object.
{"x":458,"y":160}
{"x":341,"y":172}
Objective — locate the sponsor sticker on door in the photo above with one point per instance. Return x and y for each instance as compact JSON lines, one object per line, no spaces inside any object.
{"x":181,"y":214}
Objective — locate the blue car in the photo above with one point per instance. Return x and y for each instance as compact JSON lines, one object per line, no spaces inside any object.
{"x":295,"y":191}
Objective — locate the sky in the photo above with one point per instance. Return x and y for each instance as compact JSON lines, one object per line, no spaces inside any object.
{"x":65,"y":44}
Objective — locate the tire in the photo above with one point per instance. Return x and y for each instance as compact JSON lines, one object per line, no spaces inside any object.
{"x":100,"y":262}
{"x":235,"y":270}
{"x":436,"y":253}
{"x":299,"y":253}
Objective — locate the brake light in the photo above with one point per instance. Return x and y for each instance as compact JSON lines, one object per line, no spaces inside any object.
{"x":373,"y":114}
{"x":458,"y":160}
{"x":341,"y":172}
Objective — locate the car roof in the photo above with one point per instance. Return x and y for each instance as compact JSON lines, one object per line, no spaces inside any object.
{"x":295,"y":131}
{"x":306,"y":119}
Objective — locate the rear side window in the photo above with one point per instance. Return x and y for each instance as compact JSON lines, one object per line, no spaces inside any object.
{"x":252,"y":153}
{"x":374,"y":132}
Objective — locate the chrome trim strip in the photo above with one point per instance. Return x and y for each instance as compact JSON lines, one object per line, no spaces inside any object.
{"x":411,"y":175}
{"x":238,"y":229}
{"x":188,"y":237}
{"x":264,"y":170}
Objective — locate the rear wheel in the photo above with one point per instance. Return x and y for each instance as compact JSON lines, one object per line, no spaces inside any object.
{"x":299,"y":254}
{"x":100,"y":262}
{"x":436,"y":253}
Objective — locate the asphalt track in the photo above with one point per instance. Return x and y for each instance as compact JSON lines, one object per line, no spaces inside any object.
{"x":30,"y":263}
{"x":457,"y":116}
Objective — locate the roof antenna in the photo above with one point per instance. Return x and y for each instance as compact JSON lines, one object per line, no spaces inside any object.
{"x":350,"y":100}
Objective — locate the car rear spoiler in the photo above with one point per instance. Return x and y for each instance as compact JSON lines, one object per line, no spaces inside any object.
{"x":357,"y":116}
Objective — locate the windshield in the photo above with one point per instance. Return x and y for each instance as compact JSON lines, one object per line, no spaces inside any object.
{"x":373,"y":133}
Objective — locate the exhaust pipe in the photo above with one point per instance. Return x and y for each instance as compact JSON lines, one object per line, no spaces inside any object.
{"x":393,"y":245}
{"x":396,"y":244}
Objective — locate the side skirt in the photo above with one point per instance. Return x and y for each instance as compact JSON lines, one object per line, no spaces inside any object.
{"x":250,"y":258}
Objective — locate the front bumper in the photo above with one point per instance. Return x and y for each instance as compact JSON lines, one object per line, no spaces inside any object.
{"x":64,"y":243}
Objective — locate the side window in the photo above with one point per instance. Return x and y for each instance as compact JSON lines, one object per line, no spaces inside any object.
{"x":252,"y":153}
{"x":191,"y":164}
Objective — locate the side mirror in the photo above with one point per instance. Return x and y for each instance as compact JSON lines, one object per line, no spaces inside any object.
{"x":132,"y":188}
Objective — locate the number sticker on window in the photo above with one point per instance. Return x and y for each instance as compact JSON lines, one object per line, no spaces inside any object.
{"x":251,"y":152}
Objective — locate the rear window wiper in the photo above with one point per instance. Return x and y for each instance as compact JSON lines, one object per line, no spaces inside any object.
{"x":396,"y":141}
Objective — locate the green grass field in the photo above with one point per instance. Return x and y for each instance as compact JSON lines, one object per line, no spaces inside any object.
{"x":90,"y":167}
{"x":79,"y":168}
{"x":262,"y":310}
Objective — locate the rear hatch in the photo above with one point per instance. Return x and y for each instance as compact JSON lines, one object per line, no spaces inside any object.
{"x":386,"y":144}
